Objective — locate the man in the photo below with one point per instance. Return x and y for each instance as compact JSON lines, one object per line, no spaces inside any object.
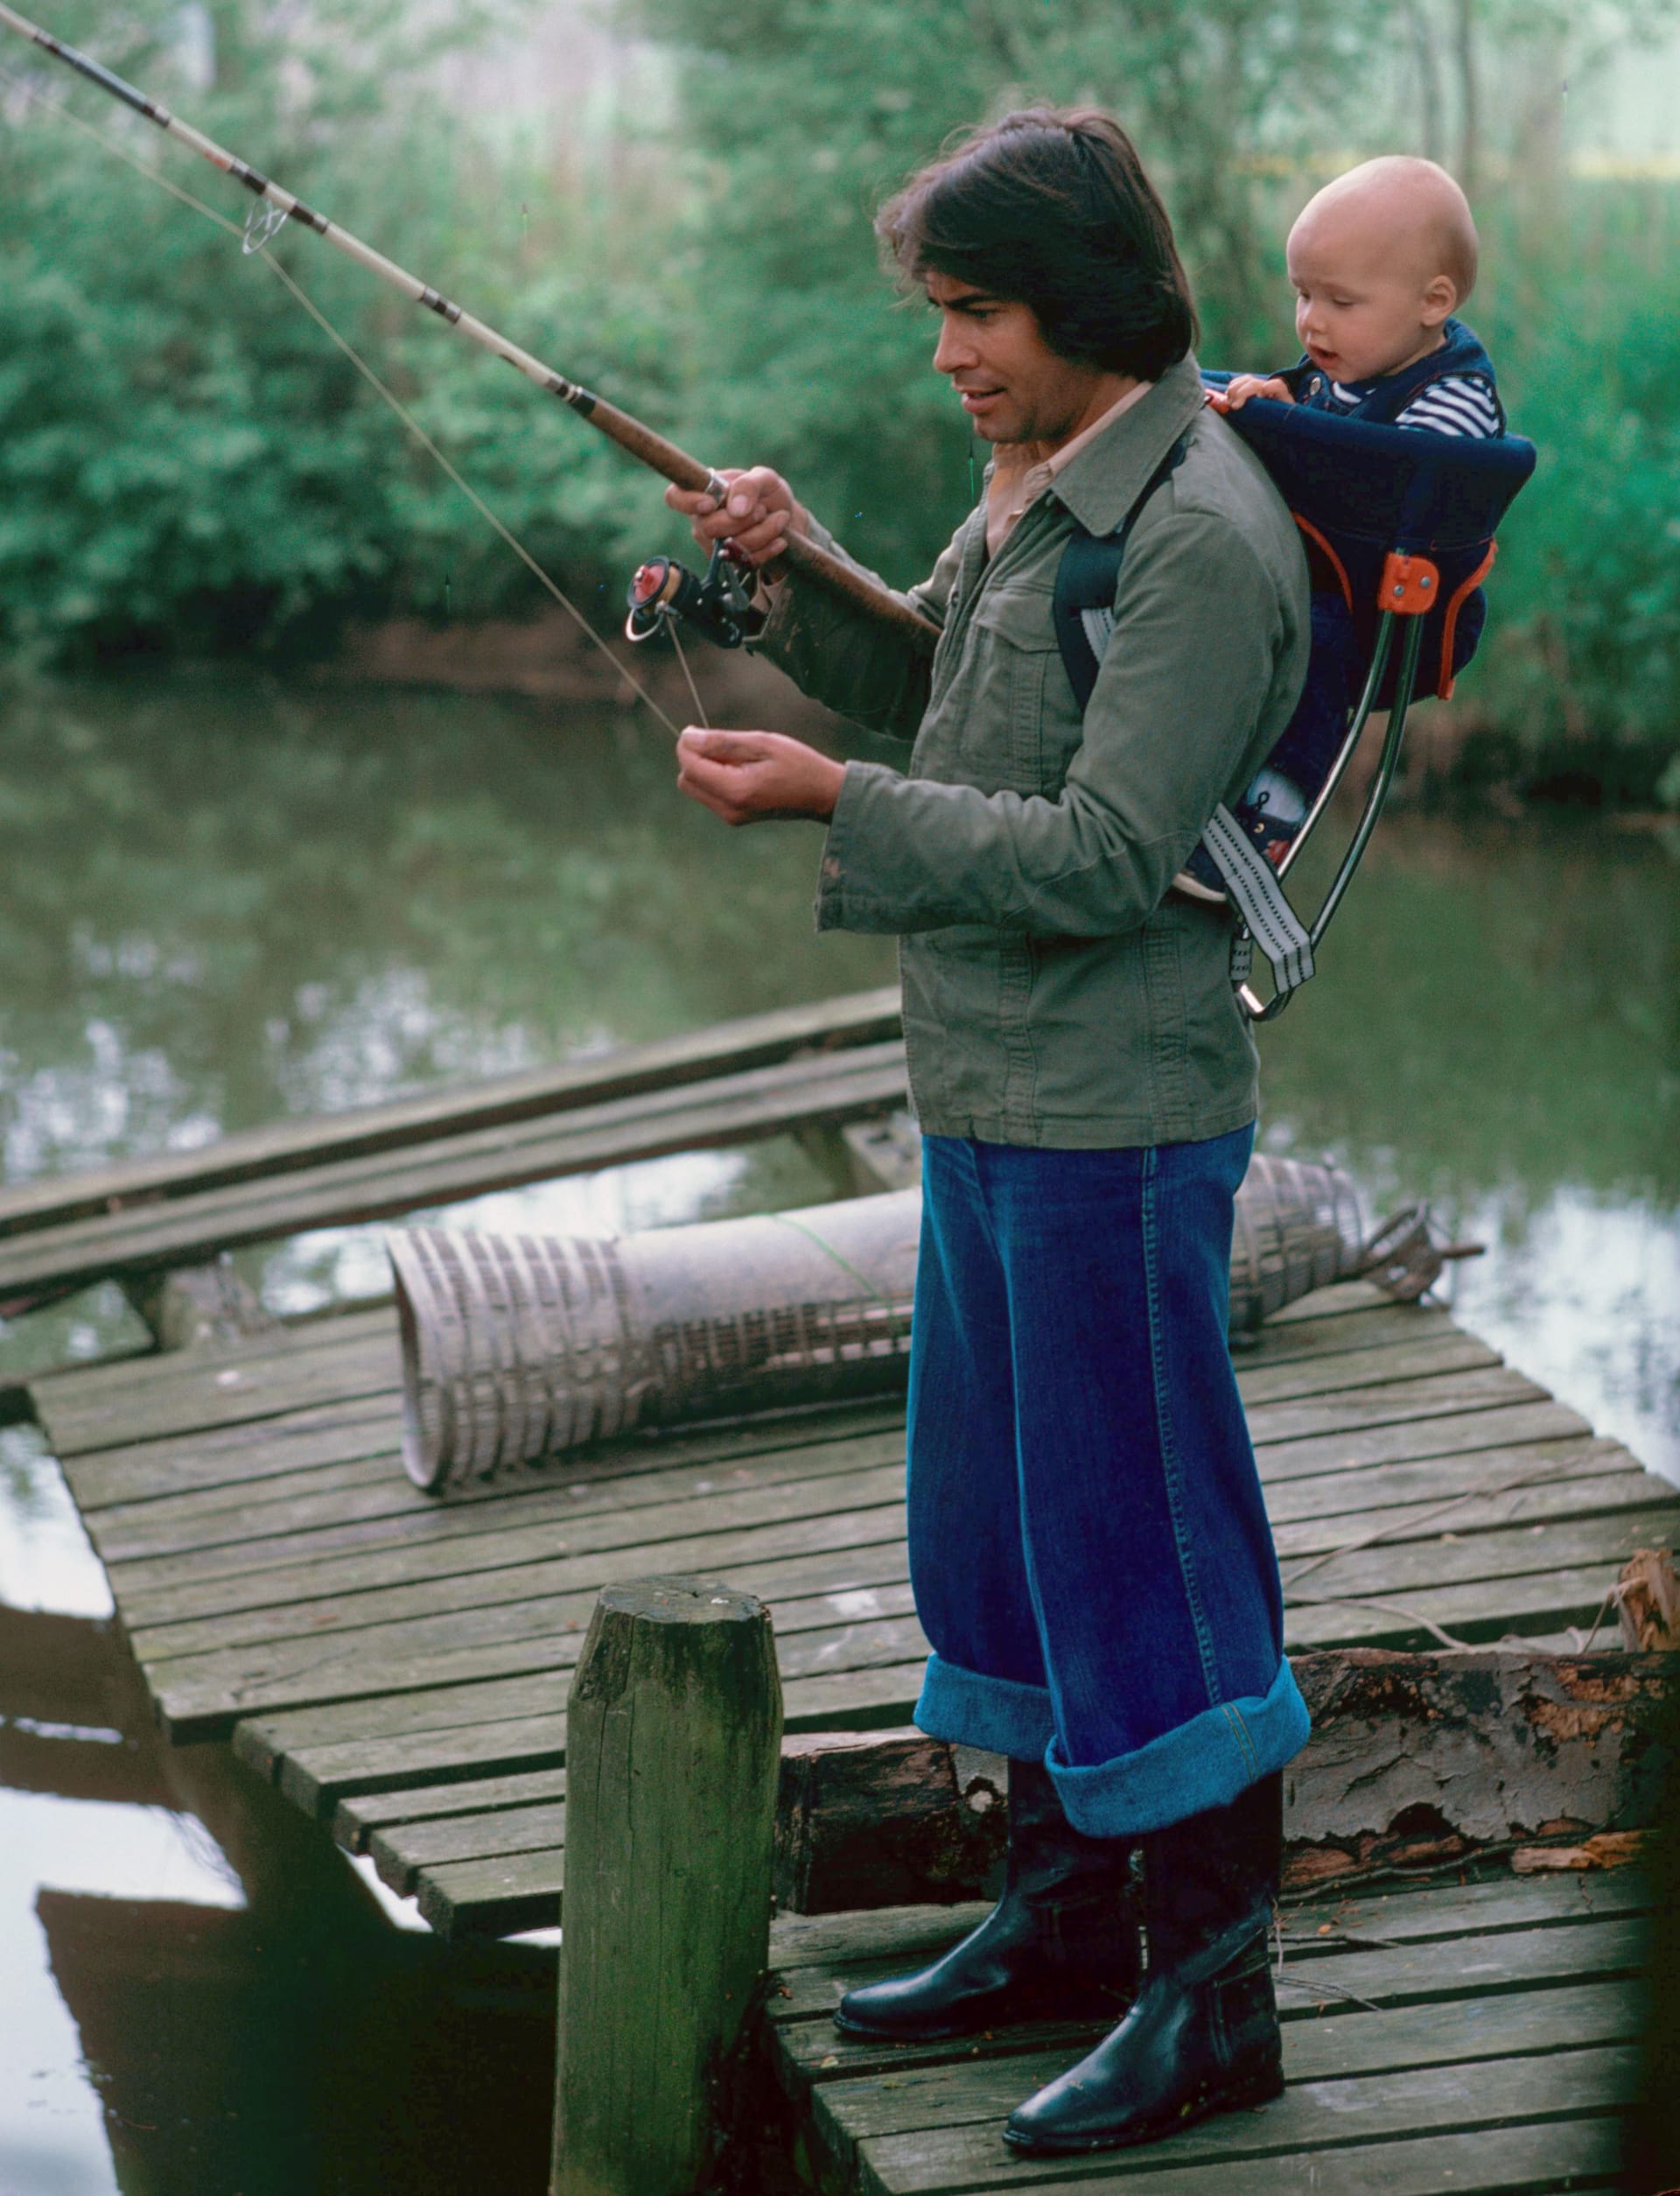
{"x":1089,"y":1551}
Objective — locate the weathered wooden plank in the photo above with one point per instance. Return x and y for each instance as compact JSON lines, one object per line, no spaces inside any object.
{"x":1404,"y":1968}
{"x":263,"y":1741}
{"x":454,"y":1577}
{"x":437,"y":1542}
{"x":436,"y":1658}
{"x":1483,"y":1473}
{"x":1521,"y":2098}
{"x":222,"y":1391}
{"x":463,"y":1580}
{"x":1325,"y":1303}
{"x":1563,"y":1499}
{"x":1416,"y":1440}
{"x":1401,"y":1399}
{"x":1498,"y":2027}
{"x":317,"y":1777}
{"x":1448,"y":1349}
{"x":729,"y":1108}
{"x":194,"y":1709}
{"x":402,"y":1850}
{"x":749,"y":1042}
{"x":367,"y":1491}
{"x":1504,"y":2162}
{"x":203,"y":1692}
{"x":1499,"y":1552}
{"x":492,"y":1898}
{"x":356,"y":1820}
{"x":1529,"y":1610}
{"x":223,"y":1466}
{"x":155,"y":1372}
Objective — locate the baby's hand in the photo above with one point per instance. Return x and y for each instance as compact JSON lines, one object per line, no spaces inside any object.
{"x":1241,"y":387}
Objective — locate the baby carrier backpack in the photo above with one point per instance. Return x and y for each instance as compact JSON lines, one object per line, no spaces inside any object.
{"x":1399,"y":527}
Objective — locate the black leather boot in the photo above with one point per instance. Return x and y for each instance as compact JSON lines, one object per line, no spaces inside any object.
{"x":1202,"y":2035}
{"x":1061,"y":1943}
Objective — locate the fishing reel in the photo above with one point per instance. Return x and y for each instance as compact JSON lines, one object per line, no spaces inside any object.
{"x":718,"y":605}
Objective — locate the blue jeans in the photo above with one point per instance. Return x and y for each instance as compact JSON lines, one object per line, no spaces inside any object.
{"x":1088,"y":1547}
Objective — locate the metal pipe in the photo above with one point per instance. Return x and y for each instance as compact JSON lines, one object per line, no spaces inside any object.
{"x":519,"y":1347}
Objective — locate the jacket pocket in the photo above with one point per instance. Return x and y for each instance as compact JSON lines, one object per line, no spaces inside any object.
{"x":1038,"y":723}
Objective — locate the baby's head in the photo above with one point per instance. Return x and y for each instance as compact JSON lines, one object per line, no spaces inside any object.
{"x":1379,"y":259}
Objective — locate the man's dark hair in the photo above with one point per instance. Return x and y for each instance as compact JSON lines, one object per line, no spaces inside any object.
{"x":1051,"y":208}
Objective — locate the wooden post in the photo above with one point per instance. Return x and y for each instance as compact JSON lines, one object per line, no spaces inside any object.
{"x":673,"y":1742}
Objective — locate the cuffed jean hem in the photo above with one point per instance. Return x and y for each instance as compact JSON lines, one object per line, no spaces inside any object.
{"x":996,"y":1714}
{"x":1204,"y":1762}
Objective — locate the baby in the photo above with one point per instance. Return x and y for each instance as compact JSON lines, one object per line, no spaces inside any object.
{"x":1381,"y":260}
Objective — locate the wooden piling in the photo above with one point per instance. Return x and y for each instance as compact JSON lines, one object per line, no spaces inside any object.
{"x":673,"y":1740}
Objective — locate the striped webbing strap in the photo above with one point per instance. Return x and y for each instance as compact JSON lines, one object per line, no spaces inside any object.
{"x":1256,"y":893}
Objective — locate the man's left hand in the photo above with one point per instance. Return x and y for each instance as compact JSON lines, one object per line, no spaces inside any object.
{"x":757,"y":777}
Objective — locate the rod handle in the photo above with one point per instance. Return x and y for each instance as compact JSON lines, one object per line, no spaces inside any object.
{"x":664,"y":457}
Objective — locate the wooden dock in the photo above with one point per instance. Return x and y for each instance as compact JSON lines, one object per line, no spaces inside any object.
{"x":398,"y":1665}
{"x":1463,"y":2039}
{"x":802,"y":1069}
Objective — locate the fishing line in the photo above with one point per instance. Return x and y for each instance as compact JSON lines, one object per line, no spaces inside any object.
{"x":683,"y":658}
{"x":259,"y":250}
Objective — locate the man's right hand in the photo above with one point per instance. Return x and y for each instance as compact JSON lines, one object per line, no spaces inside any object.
{"x":759,"y":514}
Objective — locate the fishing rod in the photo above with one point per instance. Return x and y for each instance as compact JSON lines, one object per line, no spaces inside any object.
{"x":643,"y":442}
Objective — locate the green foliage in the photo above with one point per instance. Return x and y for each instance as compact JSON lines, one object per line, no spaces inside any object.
{"x":1581,"y":678}
{"x":185,"y":461}
{"x":805,"y":117}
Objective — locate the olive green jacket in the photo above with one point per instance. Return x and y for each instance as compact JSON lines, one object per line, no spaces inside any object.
{"x":1055,"y":991}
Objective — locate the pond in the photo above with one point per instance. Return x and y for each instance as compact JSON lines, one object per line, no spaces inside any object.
{"x":226,"y":901}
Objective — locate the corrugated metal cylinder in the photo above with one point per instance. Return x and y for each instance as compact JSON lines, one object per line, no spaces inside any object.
{"x":518,"y":1347}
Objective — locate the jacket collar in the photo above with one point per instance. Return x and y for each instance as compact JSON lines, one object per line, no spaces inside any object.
{"x":1101,"y":485}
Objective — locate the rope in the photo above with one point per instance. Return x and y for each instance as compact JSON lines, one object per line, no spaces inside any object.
{"x":255,"y":246}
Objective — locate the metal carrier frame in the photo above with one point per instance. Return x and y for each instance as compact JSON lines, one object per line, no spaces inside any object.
{"x":1410,"y":588}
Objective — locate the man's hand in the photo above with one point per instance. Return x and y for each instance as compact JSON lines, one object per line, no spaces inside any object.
{"x":1241,"y":387}
{"x":756,"y":777}
{"x":758,"y":515}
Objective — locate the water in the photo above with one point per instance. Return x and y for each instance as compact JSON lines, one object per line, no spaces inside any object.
{"x":225,"y":903}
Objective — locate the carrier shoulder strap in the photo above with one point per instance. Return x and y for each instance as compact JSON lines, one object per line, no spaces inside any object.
{"x":1082,"y":608}
{"x":1087,"y":578}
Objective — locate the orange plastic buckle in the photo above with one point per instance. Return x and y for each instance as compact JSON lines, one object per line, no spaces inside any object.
{"x":1409,"y":585}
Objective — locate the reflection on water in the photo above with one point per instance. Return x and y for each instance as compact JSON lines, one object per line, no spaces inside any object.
{"x":224,"y":904}
{"x":1497,"y":1029}
{"x":201,"y":1996}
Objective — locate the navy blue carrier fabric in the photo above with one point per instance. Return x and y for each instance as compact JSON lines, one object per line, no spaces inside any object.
{"x":1362,"y":488}
{"x":1379,"y":402}
{"x":1369,"y":487}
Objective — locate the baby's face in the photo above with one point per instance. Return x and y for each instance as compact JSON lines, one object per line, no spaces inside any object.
{"x":1365,"y":304}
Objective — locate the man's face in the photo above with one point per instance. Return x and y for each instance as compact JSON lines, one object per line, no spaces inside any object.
{"x":1014,"y":388}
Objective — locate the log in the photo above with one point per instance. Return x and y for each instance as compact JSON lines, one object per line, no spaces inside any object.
{"x":1415,"y":1761}
{"x":885,"y":1819}
{"x":673,"y":1732}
